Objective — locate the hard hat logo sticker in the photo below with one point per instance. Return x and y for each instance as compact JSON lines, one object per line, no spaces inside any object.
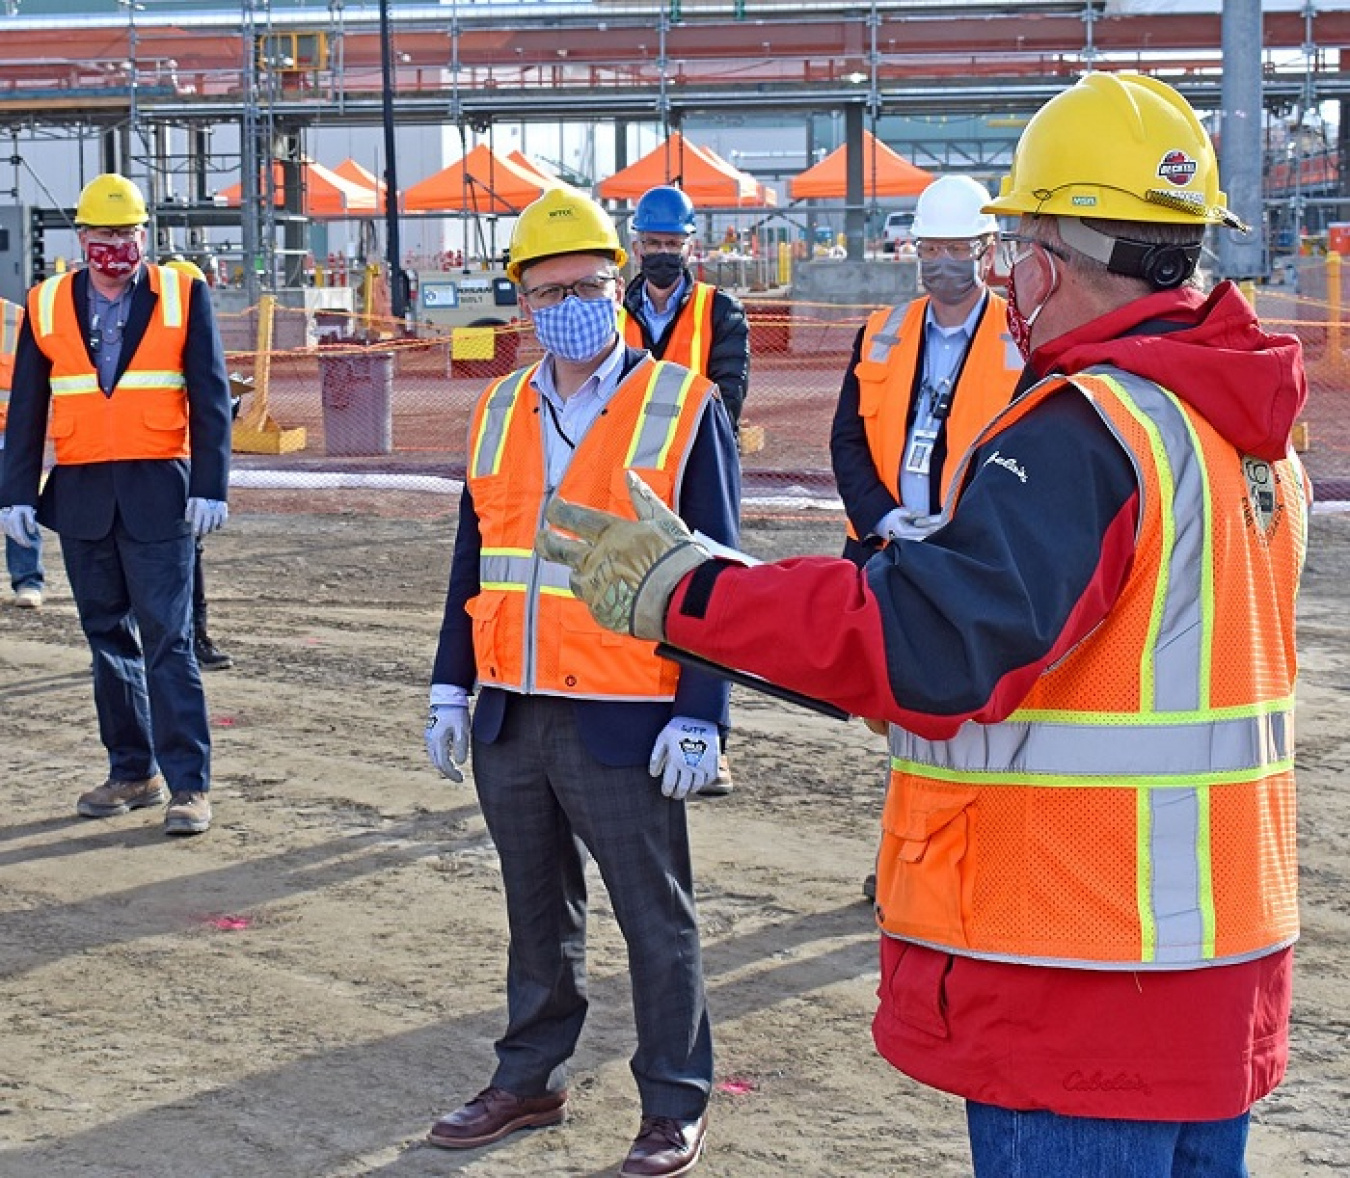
{"x":1177,"y":168}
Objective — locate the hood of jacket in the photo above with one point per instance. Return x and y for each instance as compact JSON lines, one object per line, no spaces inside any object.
{"x":1211,"y":351}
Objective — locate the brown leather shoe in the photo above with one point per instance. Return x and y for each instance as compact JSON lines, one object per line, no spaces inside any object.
{"x":493,"y":1114}
{"x":664,"y":1147}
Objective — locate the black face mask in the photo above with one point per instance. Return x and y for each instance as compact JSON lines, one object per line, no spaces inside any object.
{"x":662,"y":270}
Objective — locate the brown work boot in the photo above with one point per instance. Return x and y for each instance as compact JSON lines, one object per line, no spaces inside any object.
{"x":188,"y":813}
{"x":117,"y":797}
{"x":665,"y":1147}
{"x":493,"y":1114}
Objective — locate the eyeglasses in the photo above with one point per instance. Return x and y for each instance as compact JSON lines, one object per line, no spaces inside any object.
{"x":1009,"y":254}
{"x":112,"y":232}
{"x":962,"y":251}
{"x":661,"y":245}
{"x":553,"y":293}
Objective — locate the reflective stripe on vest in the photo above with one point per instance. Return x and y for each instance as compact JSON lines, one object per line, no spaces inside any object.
{"x":531,"y":634}
{"x":1173,"y":751}
{"x":145,"y":415}
{"x":11,"y":320}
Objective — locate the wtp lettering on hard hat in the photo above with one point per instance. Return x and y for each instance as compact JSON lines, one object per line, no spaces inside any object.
{"x":562,"y":222}
{"x":111,"y":200}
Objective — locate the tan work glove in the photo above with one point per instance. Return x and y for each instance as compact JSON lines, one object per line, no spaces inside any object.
{"x":624,"y":570}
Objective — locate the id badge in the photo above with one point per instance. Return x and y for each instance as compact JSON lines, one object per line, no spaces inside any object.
{"x":919,"y":454}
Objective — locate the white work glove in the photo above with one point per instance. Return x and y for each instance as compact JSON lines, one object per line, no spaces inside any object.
{"x":447,"y":738}
{"x":902,"y":524}
{"x":20,"y":524}
{"x":685,"y":756}
{"x":206,"y":515}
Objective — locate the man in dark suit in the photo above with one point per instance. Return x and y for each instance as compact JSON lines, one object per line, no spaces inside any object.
{"x":573,"y":723}
{"x":124,"y":363}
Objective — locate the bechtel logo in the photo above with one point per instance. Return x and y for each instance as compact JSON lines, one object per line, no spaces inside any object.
{"x":1177,"y":168}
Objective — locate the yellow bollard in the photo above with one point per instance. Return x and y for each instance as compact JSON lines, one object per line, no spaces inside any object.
{"x":784,"y":264}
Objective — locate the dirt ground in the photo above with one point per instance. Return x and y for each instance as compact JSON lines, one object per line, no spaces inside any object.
{"x":304,"y":989}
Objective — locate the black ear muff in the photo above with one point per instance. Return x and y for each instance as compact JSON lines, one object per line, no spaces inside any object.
{"x":1164,"y":267}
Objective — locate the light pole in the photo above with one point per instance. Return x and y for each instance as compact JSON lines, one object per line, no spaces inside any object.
{"x":398,"y":300}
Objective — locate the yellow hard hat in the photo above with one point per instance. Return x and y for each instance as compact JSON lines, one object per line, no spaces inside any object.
{"x":1122,"y":147}
{"x":111,"y":200}
{"x":181,"y":264}
{"x":562,"y":221}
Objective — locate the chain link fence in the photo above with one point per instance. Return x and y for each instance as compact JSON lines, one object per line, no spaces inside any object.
{"x":366,"y":408}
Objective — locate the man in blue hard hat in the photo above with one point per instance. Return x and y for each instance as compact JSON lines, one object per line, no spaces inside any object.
{"x":674,"y":316}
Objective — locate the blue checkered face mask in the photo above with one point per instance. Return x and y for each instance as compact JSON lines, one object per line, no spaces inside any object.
{"x":576,"y":329}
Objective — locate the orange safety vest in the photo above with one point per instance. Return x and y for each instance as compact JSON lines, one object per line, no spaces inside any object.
{"x":11,"y":320}
{"x":146,"y":415}
{"x":530,"y":633}
{"x":1137,"y":810}
{"x":690,"y":339}
{"x":888,"y":363}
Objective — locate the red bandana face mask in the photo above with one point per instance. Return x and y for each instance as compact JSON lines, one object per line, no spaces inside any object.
{"x":1019,"y":325}
{"x":113,"y":259}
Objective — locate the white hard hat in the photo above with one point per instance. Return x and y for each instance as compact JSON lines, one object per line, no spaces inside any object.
{"x":950,"y":207}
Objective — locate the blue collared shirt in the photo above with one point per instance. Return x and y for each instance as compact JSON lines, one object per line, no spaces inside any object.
{"x":567,"y":420}
{"x":943,"y":350}
{"x":658,"y":321}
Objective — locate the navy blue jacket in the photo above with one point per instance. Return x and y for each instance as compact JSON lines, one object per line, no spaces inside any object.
{"x":149,"y":494}
{"x":614,"y":733}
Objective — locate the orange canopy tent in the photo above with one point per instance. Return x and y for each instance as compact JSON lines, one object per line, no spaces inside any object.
{"x":326,"y":193}
{"x":482,"y":182}
{"x":885,"y":173}
{"x":349,"y":169}
{"x":704,"y":178}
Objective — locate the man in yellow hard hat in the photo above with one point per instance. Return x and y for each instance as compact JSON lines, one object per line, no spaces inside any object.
{"x":1087,"y":877}
{"x":123,"y":362}
{"x":584,"y":743}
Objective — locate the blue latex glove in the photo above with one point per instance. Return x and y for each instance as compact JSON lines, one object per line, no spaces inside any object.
{"x":685,"y":756}
{"x":206,"y":515}
{"x":20,"y":524}
{"x":447,"y":738}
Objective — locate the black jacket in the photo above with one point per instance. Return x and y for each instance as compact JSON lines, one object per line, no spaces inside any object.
{"x":729,"y":355}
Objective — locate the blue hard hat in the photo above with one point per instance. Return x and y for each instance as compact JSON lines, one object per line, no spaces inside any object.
{"x":664,"y":210}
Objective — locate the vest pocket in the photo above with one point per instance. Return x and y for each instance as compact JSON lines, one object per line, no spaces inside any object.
{"x":166,"y":417}
{"x":873,"y":382}
{"x":488,"y":643}
{"x":924,"y":879}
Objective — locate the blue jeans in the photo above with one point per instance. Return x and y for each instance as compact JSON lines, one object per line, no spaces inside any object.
{"x":135,"y":603}
{"x":24,"y":564}
{"x":1005,"y":1143}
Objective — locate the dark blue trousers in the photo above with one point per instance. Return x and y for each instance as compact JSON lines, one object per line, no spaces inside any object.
{"x":135,"y":603}
{"x":548,"y":802}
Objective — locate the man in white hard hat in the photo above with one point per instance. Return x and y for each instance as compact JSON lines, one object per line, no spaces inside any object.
{"x":923,"y":379}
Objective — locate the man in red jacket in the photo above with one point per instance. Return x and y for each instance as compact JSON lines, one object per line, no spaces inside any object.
{"x":1087,"y":876}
